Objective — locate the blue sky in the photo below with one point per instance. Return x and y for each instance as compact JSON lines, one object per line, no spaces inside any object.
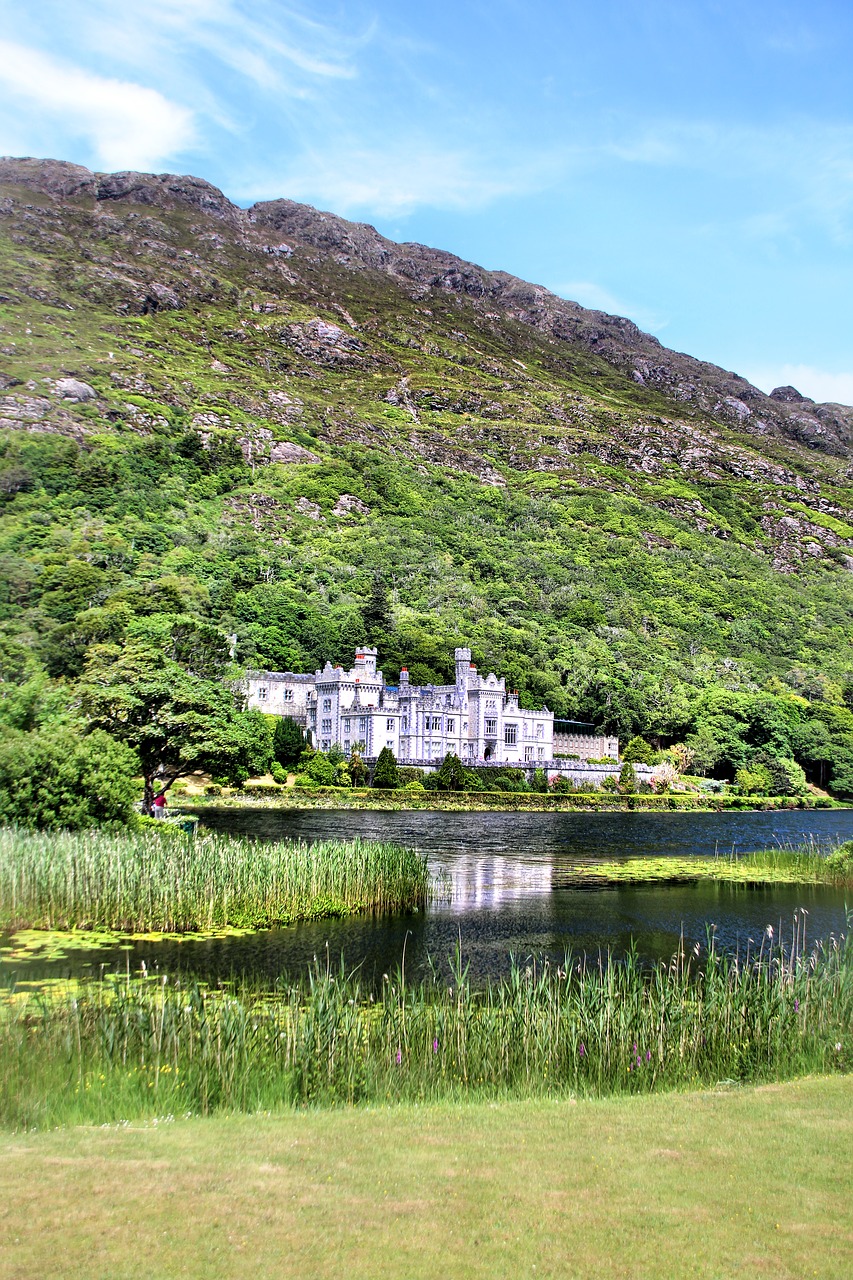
{"x":687,"y":163}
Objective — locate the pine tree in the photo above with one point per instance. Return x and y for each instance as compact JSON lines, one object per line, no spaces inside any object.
{"x":451,"y":774}
{"x":288,"y":742}
{"x":385,"y":773}
{"x":378,"y":619}
{"x":627,"y":779}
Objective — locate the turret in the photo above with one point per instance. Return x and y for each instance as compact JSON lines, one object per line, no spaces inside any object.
{"x":365,"y":660}
{"x":463,"y":666}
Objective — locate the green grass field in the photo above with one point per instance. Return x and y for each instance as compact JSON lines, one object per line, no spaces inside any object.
{"x":745,"y":1182}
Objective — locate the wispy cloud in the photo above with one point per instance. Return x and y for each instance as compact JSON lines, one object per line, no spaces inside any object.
{"x":792,"y":172}
{"x":818,"y":384}
{"x":396,"y":178}
{"x":590,"y":294}
{"x":126,"y":124}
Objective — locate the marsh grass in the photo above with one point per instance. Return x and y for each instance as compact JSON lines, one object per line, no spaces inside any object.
{"x":147,"y":881}
{"x":136,"y":1047}
{"x":805,"y":863}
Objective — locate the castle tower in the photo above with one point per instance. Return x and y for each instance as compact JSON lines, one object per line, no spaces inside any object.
{"x":463,"y":666}
{"x":365,"y":660}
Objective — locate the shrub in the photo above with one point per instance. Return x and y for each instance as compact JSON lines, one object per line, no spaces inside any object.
{"x":627,"y":779}
{"x":60,"y":778}
{"x":638,"y":751}
{"x":754,"y":781}
{"x":840,"y":861}
{"x":451,"y":775}
{"x":279,"y":774}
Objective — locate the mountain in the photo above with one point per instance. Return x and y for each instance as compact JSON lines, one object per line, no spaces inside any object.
{"x":284,"y":423}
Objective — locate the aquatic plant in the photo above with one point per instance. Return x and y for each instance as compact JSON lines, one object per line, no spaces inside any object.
{"x":131,"y":1047}
{"x":154,"y":881}
{"x":809,"y":862}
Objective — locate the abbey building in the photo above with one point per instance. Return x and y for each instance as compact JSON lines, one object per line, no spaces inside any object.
{"x":476,"y":718}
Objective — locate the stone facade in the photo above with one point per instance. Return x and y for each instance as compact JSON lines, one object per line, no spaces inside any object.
{"x":574,"y":738}
{"x":476,"y":718}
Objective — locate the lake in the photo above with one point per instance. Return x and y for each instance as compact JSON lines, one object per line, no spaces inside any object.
{"x":509,"y":892}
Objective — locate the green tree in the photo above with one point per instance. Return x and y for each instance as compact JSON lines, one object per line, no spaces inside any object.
{"x":378,"y":618}
{"x":63,"y":778}
{"x":288,"y":741}
{"x":451,"y":774}
{"x":627,"y":779}
{"x":385,"y":770}
{"x":787,"y":778}
{"x":317,"y":770}
{"x":755,"y":781}
{"x":358,"y":770}
{"x":174,"y":721}
{"x":638,"y":751}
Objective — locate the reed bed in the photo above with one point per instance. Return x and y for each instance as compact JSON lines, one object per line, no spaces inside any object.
{"x":153,"y":882}
{"x":137,"y":1047}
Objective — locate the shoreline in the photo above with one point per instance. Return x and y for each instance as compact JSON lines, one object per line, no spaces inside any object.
{"x":274,"y":797}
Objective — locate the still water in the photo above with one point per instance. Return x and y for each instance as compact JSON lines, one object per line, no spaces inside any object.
{"x":510,"y":893}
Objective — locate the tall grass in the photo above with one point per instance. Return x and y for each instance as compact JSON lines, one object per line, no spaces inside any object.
{"x":151,"y":882}
{"x":807,"y":863}
{"x":811,"y":860}
{"x":136,"y":1047}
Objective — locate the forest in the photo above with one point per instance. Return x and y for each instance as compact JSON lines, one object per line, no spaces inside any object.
{"x":292,"y":457}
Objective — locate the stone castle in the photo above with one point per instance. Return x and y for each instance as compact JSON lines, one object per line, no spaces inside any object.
{"x":477,"y":718}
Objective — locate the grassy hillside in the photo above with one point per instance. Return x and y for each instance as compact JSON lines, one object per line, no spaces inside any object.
{"x":270,"y":422}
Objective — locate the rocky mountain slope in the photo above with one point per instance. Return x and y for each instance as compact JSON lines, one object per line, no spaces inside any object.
{"x":293,"y":426}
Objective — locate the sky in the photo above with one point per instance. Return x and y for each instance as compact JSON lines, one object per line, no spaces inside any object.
{"x":686,"y":163}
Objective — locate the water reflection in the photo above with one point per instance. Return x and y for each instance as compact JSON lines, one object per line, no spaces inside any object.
{"x":510,"y":893}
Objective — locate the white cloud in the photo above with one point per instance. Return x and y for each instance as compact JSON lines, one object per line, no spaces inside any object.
{"x":590,"y":294}
{"x":127,"y":125}
{"x":395,"y":181}
{"x":818,"y":384}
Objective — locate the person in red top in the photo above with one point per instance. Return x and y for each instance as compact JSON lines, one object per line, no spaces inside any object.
{"x":158,"y":808}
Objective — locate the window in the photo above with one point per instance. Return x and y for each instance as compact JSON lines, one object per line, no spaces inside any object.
{"x":324,"y":746}
{"x":510,"y":734}
{"x":405,"y":725}
{"x":346,"y":726}
{"x":312,"y":714}
{"x":528,"y":753}
{"x":491,"y":728}
{"x":262,"y":694}
{"x":540,"y":752}
{"x":288,"y":695}
{"x":326,"y":726}
{"x":327,"y":704}
{"x":390,"y":745}
{"x":346,"y":744}
{"x":540,"y":731}
{"x":435,"y":723}
{"x":362,"y":724}
{"x":389,"y":725}
{"x":450,"y":726}
{"x":490,"y":704}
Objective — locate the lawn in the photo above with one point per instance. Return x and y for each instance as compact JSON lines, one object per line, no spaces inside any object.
{"x":726,"y":1183}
